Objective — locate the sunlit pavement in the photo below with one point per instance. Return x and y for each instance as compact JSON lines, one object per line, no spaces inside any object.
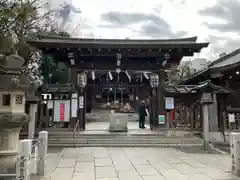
{"x":136,"y":164}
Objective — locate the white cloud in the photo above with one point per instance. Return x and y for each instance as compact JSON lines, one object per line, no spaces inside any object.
{"x":151,"y":19}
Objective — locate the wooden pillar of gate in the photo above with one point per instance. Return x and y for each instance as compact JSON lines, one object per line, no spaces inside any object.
{"x":153,"y":109}
{"x":192,"y":115}
{"x":82,"y":108}
{"x":134,"y":99}
{"x":160,"y":97}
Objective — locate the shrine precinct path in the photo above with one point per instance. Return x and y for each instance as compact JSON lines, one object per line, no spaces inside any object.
{"x":99,"y":163}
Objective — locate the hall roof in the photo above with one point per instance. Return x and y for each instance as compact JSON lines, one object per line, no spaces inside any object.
{"x":65,"y":42}
{"x":222,"y":64}
{"x":193,"y":89}
{"x":169,"y":89}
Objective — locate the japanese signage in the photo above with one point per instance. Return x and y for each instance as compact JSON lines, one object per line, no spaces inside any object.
{"x":81,"y":102}
{"x":46,"y":96}
{"x":169,"y":103}
{"x":161,"y":119}
{"x":231,"y":118}
{"x":74,"y":107}
{"x":22,"y":166}
{"x":62,"y":111}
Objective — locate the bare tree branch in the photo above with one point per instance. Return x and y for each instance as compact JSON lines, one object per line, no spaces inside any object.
{"x":183,"y":72}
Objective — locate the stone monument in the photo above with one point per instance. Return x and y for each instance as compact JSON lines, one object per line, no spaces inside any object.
{"x":13,"y":86}
{"x":118,"y":122}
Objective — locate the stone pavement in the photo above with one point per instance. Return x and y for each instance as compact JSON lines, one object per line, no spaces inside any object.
{"x":136,"y":164}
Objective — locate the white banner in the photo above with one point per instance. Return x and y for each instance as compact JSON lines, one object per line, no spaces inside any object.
{"x":74,"y":108}
{"x":50,"y":104}
{"x":231,"y":118}
{"x":81,"y":102}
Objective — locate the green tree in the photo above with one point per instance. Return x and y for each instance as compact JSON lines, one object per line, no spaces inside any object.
{"x":22,"y":19}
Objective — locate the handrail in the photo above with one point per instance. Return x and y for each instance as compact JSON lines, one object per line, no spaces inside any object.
{"x":74,"y":132}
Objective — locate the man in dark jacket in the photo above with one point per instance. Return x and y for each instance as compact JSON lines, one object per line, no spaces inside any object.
{"x":142,"y":114}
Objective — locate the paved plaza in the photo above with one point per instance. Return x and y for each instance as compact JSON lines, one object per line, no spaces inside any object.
{"x":136,"y":164}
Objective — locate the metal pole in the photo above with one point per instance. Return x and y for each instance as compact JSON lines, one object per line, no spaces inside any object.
{"x":81,"y":110}
{"x":115,"y":94}
{"x":108,"y":96}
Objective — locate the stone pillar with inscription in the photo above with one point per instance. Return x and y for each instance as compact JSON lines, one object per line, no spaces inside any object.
{"x":206,"y":100}
{"x":235,"y":152}
{"x":12,"y":111}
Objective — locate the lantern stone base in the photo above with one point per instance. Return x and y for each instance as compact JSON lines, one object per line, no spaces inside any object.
{"x":118,"y":122}
{"x":10,"y":126}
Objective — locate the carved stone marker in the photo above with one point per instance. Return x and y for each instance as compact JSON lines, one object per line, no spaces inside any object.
{"x":235,"y":152}
{"x":118,"y":122}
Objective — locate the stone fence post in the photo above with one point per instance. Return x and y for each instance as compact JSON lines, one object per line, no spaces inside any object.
{"x":235,"y":152}
{"x":42,"y":152}
{"x":35,"y":159}
{"x":24,"y":160}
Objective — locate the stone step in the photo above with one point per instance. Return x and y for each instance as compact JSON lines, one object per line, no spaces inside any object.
{"x":118,"y":137}
{"x":96,"y":137}
{"x":126,"y":141}
{"x":126,"y":145}
{"x":106,"y":133}
{"x":60,"y":136}
{"x":104,"y":117}
{"x":119,"y":134}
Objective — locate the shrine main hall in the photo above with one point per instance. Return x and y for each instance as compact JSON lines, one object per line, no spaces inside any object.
{"x":112,"y":73}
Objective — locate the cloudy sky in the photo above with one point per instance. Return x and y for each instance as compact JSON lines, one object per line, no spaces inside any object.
{"x":214,"y":21}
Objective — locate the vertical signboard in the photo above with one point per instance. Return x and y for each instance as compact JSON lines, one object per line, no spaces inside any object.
{"x":62,"y":111}
{"x":161,"y":119}
{"x":50,"y":104}
{"x":74,"y":105}
{"x":81,"y":102}
{"x":169,"y":103}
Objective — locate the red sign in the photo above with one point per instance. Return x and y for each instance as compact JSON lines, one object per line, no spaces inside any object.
{"x":62,"y":109}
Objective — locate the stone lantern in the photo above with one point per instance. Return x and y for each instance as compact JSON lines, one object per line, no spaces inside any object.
{"x":13,"y":86}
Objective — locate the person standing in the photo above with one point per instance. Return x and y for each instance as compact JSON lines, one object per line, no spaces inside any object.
{"x":142,"y":114}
